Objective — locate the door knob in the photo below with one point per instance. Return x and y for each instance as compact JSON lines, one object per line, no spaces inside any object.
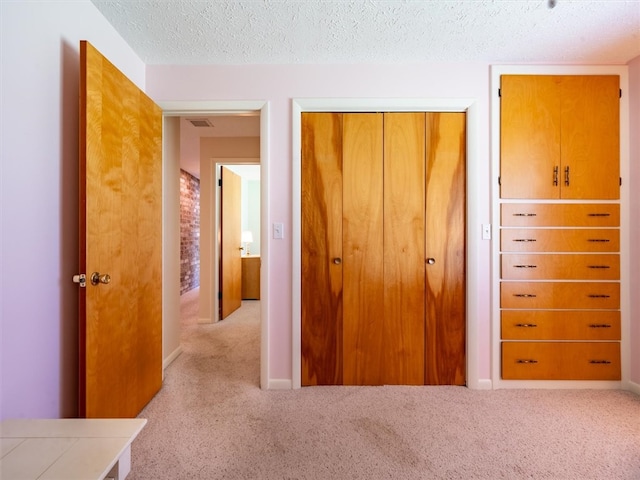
{"x":431,"y":261}
{"x":97,"y":278}
{"x":337,"y":260}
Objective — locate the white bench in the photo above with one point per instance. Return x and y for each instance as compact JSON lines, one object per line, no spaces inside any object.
{"x":69,"y":449}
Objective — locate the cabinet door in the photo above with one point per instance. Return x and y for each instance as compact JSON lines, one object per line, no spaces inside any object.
{"x":590,"y":137}
{"x":529,"y":136}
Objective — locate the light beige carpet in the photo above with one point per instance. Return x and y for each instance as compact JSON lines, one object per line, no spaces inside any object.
{"x":211,"y":421}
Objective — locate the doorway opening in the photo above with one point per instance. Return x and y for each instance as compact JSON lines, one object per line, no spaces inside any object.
{"x":208,"y":272}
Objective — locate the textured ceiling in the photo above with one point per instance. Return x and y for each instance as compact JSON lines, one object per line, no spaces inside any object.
{"x":181,"y":32}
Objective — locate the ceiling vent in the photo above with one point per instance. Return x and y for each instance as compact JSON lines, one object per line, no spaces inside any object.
{"x":200,"y":122}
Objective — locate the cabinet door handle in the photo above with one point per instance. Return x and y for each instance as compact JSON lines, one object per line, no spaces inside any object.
{"x":525,"y":266}
{"x":598,"y":296}
{"x":598,"y":240}
{"x":524,"y":239}
{"x":524,"y":295}
{"x":555,"y":176}
{"x":526,"y":325}
{"x":598,"y":214}
{"x":525,"y":214}
{"x":599,"y":325}
{"x":526,"y":361}
{"x":600,"y":362}
{"x":598,"y":266}
{"x":566,"y":176}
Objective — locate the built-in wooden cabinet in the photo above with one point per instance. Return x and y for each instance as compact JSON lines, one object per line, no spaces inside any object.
{"x":250,"y":285}
{"x":560,"y":137}
{"x":560,"y":251}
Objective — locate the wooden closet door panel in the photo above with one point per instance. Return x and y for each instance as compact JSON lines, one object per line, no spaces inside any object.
{"x":530,"y":136}
{"x":445,"y":243}
{"x":362,"y":249}
{"x":590,"y":137}
{"x":321,"y":184}
{"x":404,"y":282}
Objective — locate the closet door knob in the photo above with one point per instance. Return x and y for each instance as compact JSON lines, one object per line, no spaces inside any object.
{"x":337,"y":260}
{"x":431,"y":261}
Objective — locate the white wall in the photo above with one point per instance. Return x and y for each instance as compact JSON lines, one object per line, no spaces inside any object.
{"x":278,"y":84}
{"x":39,"y":157}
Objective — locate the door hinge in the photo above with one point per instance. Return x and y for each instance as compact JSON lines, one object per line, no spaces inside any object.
{"x":620,"y":181}
{"x":80,"y":279}
{"x":500,"y":92}
{"x":499,"y":181}
{"x":219,"y":295}
{"x":620,"y":93}
{"x":219,"y":182}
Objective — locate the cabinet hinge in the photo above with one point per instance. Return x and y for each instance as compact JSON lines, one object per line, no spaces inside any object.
{"x":499,"y":92}
{"x":620,"y":181}
{"x":219,"y":182}
{"x":499,"y":181}
{"x":219,"y":295}
{"x":620,"y":93}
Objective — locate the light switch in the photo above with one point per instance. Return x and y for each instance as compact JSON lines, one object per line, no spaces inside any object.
{"x":486,"y":231}
{"x":278,"y":231}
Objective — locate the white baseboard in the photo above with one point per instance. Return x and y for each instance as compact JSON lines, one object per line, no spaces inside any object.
{"x":279,"y":384}
{"x":171,"y":357}
{"x":634,"y":387}
{"x":481,"y":384}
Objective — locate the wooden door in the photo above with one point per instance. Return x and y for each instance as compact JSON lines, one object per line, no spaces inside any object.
{"x":230,"y":248}
{"x":590,"y":137}
{"x":321,"y":265}
{"x":362,"y":247}
{"x":404,"y":267}
{"x":445,"y":249}
{"x":530,"y":136}
{"x":120,"y":322}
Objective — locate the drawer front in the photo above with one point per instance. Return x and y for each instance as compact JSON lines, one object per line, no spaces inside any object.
{"x":560,"y":215}
{"x":584,"y":266}
{"x":560,"y":361}
{"x":562,"y":295}
{"x":560,"y":325}
{"x":559,"y":240}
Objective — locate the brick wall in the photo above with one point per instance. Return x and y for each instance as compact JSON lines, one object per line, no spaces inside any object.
{"x":189,"y":232}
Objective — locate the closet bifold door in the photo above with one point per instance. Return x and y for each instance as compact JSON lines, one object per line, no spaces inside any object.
{"x":445,"y":247}
{"x":404,"y":254}
{"x":362,"y":247}
{"x":321,"y":216}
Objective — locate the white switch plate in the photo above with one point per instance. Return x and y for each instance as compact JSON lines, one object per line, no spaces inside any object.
{"x":278,"y":231}
{"x":486,"y":231}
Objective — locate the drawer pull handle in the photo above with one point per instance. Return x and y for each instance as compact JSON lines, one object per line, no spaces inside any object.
{"x":599,"y":325}
{"x":526,"y":325}
{"x":598,"y":214}
{"x":598,"y":240}
{"x":599,"y":296}
{"x":598,"y":266}
{"x":524,"y":239}
{"x":600,"y":362}
{"x":525,"y":266}
{"x":524,"y":295}
{"x":525,"y":214}
{"x":527,"y":361}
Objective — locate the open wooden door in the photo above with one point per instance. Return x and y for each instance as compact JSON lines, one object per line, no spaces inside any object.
{"x":120,"y":331}
{"x":230,"y":261}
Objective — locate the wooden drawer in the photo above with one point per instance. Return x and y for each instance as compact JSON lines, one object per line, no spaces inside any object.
{"x":559,"y":240}
{"x":560,"y":215}
{"x":560,"y":325}
{"x":582,"y":266}
{"x":560,"y":361}
{"x":560,"y":295}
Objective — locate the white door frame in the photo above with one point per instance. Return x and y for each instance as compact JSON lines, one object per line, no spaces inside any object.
{"x":191,"y":108}
{"x":473,"y":223}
